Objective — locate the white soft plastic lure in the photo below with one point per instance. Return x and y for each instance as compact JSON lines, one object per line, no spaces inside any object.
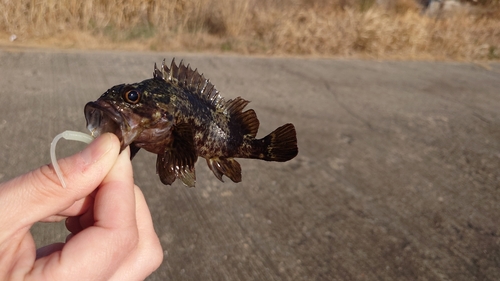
{"x":68,"y":135}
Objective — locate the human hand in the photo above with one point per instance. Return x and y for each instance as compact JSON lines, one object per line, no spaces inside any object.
{"x":112,"y":234}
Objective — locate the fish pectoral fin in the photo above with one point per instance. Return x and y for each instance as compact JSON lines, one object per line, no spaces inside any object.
{"x":178,"y":160}
{"x":169,"y":172}
{"x":225,"y":166}
{"x":172,"y":165}
{"x":165,"y":169}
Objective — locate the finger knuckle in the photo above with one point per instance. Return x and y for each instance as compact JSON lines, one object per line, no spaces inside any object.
{"x":129,"y":239}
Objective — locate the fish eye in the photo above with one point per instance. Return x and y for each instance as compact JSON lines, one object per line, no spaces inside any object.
{"x":132,"y":96}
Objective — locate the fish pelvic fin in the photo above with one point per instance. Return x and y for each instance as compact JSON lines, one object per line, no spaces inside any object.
{"x":225,"y":166}
{"x":177,"y":162}
{"x":280,"y":145}
{"x":133,"y":150}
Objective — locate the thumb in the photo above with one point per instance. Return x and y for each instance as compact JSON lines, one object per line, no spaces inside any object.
{"x":39,"y":194}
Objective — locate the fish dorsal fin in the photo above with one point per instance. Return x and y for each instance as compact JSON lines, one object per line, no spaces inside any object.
{"x":247,"y":119}
{"x":184,"y":76}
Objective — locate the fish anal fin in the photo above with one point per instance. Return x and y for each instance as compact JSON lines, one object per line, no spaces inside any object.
{"x":178,"y":160}
{"x":215,"y":167}
{"x":225,"y":166}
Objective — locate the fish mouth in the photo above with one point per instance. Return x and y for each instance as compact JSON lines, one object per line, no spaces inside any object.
{"x":103,"y":117}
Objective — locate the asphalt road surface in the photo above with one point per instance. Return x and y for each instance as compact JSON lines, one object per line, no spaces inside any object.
{"x":397,"y":177}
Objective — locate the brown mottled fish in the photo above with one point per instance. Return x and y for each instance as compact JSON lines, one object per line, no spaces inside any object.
{"x":179,"y":115}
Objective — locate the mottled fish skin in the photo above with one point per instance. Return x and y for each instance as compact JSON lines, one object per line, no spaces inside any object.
{"x":179,"y":115}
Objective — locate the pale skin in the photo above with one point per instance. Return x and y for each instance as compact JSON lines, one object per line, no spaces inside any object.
{"x":112,"y":235}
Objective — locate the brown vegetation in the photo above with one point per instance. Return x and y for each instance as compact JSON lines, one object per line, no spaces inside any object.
{"x":342,"y":28}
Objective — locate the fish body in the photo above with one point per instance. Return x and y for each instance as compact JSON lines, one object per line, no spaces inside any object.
{"x":180,"y":116}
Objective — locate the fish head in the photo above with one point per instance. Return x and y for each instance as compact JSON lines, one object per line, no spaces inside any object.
{"x":135,"y":113}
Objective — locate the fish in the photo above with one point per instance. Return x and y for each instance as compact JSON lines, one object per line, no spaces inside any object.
{"x":180,"y":116}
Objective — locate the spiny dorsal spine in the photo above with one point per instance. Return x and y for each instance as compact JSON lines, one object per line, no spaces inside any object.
{"x":186,"y":77}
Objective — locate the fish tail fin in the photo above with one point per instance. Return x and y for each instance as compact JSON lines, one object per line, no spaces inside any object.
{"x":280,"y":145}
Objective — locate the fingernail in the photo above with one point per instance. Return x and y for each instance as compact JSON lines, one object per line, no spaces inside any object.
{"x":97,"y":149}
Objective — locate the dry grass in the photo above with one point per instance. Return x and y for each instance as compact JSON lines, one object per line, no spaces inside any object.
{"x":346,"y":28}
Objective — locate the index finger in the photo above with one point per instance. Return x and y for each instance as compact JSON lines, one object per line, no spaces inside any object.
{"x":103,"y":246}
{"x":38,"y":194}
